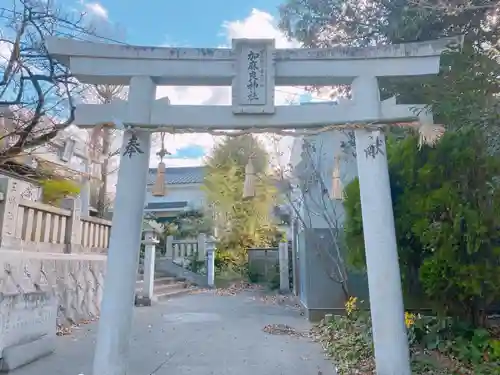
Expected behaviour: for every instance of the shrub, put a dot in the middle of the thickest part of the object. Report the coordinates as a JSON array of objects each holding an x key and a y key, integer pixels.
[
  {"x": 446, "y": 202},
  {"x": 55, "y": 190},
  {"x": 225, "y": 260},
  {"x": 437, "y": 346}
]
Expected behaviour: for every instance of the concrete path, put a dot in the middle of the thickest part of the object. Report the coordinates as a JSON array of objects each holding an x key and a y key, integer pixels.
[{"x": 200, "y": 334}]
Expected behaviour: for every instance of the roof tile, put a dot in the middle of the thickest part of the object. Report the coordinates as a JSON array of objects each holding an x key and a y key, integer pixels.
[{"x": 179, "y": 175}]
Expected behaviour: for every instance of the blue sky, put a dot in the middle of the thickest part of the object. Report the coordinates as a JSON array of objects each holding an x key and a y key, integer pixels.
[
  {"x": 194, "y": 23},
  {"x": 189, "y": 152}
]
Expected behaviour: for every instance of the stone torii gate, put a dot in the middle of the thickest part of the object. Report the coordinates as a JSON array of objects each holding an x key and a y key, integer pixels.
[{"x": 253, "y": 68}]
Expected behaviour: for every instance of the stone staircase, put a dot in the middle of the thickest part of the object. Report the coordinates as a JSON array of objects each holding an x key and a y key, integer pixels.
[
  {"x": 165, "y": 287},
  {"x": 168, "y": 267}
]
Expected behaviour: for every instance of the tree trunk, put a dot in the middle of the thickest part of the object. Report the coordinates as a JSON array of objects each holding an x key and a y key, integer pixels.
[{"x": 101, "y": 200}]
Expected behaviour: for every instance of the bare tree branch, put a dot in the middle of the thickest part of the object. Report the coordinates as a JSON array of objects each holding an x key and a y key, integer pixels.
[
  {"x": 101, "y": 139},
  {"x": 306, "y": 193},
  {"x": 37, "y": 92}
]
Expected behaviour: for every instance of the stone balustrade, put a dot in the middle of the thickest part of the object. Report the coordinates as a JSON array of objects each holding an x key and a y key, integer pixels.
[
  {"x": 95, "y": 233},
  {"x": 183, "y": 251},
  {"x": 39, "y": 227},
  {"x": 29, "y": 225}
]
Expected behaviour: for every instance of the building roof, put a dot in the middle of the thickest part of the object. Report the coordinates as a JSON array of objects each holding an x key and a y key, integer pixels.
[{"x": 180, "y": 175}]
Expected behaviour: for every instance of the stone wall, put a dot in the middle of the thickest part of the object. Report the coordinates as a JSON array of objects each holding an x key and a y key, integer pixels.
[
  {"x": 319, "y": 291},
  {"x": 52, "y": 265},
  {"x": 53, "y": 249},
  {"x": 27, "y": 328},
  {"x": 76, "y": 280}
]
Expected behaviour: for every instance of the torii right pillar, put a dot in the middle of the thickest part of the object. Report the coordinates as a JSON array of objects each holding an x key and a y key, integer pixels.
[{"x": 384, "y": 279}]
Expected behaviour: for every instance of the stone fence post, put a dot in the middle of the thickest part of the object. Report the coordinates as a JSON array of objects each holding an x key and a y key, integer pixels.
[
  {"x": 147, "y": 295},
  {"x": 169, "y": 248},
  {"x": 9, "y": 208},
  {"x": 210, "y": 248},
  {"x": 284, "y": 267},
  {"x": 202, "y": 246},
  {"x": 73, "y": 235}
]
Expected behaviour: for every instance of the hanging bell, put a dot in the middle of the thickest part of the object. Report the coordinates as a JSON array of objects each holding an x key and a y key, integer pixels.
[
  {"x": 159, "y": 189},
  {"x": 250, "y": 180}
]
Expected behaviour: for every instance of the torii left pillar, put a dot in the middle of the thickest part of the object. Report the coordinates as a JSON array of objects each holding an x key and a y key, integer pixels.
[{"x": 112, "y": 347}]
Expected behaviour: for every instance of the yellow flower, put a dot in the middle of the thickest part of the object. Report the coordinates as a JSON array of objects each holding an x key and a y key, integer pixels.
[
  {"x": 409, "y": 319},
  {"x": 350, "y": 305}
]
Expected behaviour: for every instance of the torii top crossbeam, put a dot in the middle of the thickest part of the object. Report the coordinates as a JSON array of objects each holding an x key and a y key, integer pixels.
[
  {"x": 253, "y": 67},
  {"x": 103, "y": 63}
]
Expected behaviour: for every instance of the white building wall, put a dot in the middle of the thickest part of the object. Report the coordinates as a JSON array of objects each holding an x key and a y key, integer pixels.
[
  {"x": 326, "y": 146},
  {"x": 72, "y": 156}
]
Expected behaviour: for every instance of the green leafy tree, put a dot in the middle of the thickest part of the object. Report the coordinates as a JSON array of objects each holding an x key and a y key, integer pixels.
[
  {"x": 241, "y": 223},
  {"x": 463, "y": 95},
  {"x": 54, "y": 190},
  {"x": 325, "y": 23},
  {"x": 446, "y": 202},
  {"x": 192, "y": 223}
]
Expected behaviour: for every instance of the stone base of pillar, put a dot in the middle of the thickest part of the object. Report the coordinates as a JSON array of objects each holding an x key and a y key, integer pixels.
[{"x": 142, "y": 301}]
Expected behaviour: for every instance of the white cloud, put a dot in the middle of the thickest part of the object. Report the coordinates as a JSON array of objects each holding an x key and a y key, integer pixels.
[
  {"x": 5, "y": 50},
  {"x": 183, "y": 162},
  {"x": 5, "y": 47},
  {"x": 257, "y": 25},
  {"x": 96, "y": 9}
]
